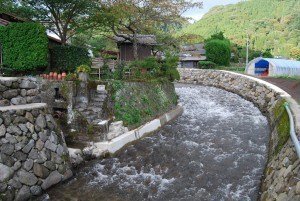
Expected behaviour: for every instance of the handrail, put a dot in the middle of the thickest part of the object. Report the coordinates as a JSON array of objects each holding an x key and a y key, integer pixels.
[{"x": 292, "y": 130}]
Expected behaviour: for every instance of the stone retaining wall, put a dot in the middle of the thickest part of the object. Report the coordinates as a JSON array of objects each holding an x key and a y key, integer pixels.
[
  {"x": 15, "y": 91},
  {"x": 281, "y": 180},
  {"x": 33, "y": 153}
]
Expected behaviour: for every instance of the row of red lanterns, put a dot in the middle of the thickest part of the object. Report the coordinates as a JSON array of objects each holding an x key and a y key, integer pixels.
[{"x": 54, "y": 76}]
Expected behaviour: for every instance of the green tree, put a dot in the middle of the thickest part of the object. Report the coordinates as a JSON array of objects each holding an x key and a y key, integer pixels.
[
  {"x": 169, "y": 67},
  {"x": 218, "y": 51},
  {"x": 128, "y": 18},
  {"x": 267, "y": 54},
  {"x": 64, "y": 18},
  {"x": 295, "y": 53}
]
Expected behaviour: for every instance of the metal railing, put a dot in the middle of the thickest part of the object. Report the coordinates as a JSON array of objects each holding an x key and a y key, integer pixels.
[{"x": 292, "y": 130}]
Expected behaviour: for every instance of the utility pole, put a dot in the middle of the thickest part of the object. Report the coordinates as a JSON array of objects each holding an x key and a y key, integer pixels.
[{"x": 247, "y": 50}]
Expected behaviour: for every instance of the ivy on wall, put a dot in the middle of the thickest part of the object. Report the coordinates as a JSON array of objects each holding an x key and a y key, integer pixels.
[
  {"x": 24, "y": 46},
  {"x": 67, "y": 58}
]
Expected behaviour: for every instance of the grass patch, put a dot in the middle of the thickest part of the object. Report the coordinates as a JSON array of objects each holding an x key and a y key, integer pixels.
[
  {"x": 294, "y": 77},
  {"x": 234, "y": 67}
]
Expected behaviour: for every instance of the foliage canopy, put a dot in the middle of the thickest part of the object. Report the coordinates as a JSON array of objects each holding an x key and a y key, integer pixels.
[{"x": 25, "y": 46}]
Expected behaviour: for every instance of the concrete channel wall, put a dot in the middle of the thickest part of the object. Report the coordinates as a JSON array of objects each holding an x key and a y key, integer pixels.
[
  {"x": 281, "y": 179},
  {"x": 33, "y": 152}
]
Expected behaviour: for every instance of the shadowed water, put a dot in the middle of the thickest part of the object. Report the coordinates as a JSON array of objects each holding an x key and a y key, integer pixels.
[{"x": 215, "y": 151}]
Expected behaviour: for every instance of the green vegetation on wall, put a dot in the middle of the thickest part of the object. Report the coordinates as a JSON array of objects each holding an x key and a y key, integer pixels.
[
  {"x": 25, "y": 46},
  {"x": 67, "y": 58},
  {"x": 269, "y": 23},
  {"x": 282, "y": 124},
  {"x": 136, "y": 103}
]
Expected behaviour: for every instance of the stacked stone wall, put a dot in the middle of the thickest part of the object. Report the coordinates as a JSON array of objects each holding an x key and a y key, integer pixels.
[
  {"x": 15, "y": 91},
  {"x": 281, "y": 180},
  {"x": 33, "y": 152}
]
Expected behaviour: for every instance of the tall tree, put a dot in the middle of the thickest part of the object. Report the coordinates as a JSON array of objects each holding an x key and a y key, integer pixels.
[
  {"x": 128, "y": 18},
  {"x": 64, "y": 18}
]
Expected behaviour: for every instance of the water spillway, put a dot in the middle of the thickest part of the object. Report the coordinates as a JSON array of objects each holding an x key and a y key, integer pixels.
[{"x": 216, "y": 150}]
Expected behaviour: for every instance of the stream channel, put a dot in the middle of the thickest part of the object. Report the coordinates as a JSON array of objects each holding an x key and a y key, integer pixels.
[{"x": 215, "y": 151}]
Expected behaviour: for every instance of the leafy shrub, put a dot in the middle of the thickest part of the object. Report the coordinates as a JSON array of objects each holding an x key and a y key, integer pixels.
[
  {"x": 169, "y": 67},
  {"x": 206, "y": 65},
  {"x": 218, "y": 51},
  {"x": 67, "y": 58},
  {"x": 71, "y": 77},
  {"x": 25, "y": 46},
  {"x": 83, "y": 69}
]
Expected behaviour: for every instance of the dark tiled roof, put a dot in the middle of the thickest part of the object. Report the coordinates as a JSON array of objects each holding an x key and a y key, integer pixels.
[{"x": 142, "y": 39}]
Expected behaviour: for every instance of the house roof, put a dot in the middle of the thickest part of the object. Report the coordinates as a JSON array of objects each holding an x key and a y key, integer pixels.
[
  {"x": 4, "y": 22},
  {"x": 193, "y": 49},
  {"x": 141, "y": 39},
  {"x": 12, "y": 18},
  {"x": 6, "y": 18},
  {"x": 56, "y": 40},
  {"x": 192, "y": 58}
]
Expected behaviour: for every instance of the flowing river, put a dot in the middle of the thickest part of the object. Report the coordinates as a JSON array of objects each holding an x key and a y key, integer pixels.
[{"x": 215, "y": 151}]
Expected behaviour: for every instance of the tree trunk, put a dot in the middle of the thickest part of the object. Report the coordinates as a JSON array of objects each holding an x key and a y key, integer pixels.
[{"x": 135, "y": 47}]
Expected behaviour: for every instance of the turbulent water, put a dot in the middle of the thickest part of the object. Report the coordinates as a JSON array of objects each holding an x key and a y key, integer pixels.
[{"x": 215, "y": 151}]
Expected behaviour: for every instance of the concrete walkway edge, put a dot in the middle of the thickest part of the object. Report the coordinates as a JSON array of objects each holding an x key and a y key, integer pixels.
[{"x": 119, "y": 142}]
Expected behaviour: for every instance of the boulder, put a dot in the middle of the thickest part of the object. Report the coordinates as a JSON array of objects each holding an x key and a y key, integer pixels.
[
  {"x": 4, "y": 102},
  {"x": 40, "y": 121},
  {"x": 54, "y": 178},
  {"x": 7, "y": 149},
  {"x": 18, "y": 101},
  {"x": 2, "y": 130},
  {"x": 28, "y": 164},
  {"x": 28, "y": 147},
  {"x": 23, "y": 194},
  {"x": 29, "y": 117},
  {"x": 27, "y": 178},
  {"x": 40, "y": 170},
  {"x": 30, "y": 127},
  {"x": 35, "y": 190},
  {"x": 27, "y": 84},
  {"x": 9, "y": 94},
  {"x": 5, "y": 173},
  {"x": 14, "y": 130}
]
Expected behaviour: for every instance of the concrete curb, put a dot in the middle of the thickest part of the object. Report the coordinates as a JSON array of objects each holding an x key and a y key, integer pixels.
[
  {"x": 23, "y": 107},
  {"x": 119, "y": 142}
]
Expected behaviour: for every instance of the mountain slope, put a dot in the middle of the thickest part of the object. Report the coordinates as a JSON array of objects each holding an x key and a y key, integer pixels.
[{"x": 273, "y": 24}]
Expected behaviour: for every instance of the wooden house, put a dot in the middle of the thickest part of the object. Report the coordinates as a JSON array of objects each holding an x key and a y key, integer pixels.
[
  {"x": 146, "y": 43},
  {"x": 190, "y": 55}
]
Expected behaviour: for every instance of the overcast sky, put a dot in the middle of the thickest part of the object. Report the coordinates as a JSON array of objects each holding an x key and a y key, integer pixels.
[{"x": 207, "y": 4}]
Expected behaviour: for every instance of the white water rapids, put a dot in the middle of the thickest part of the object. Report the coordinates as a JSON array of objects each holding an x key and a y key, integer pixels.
[{"x": 215, "y": 151}]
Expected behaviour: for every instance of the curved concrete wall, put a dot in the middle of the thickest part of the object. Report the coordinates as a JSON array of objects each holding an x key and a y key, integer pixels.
[{"x": 282, "y": 174}]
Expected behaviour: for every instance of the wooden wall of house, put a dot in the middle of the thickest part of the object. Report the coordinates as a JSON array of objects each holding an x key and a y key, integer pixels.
[{"x": 126, "y": 52}]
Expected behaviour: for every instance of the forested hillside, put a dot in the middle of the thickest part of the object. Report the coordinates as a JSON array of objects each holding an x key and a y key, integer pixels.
[{"x": 273, "y": 24}]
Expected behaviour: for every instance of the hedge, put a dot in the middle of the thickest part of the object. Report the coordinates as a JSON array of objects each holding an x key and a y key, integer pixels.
[
  {"x": 218, "y": 51},
  {"x": 24, "y": 46},
  {"x": 206, "y": 65},
  {"x": 67, "y": 58}
]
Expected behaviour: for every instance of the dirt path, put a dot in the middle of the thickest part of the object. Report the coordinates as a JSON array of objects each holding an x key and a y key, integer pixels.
[{"x": 290, "y": 86}]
